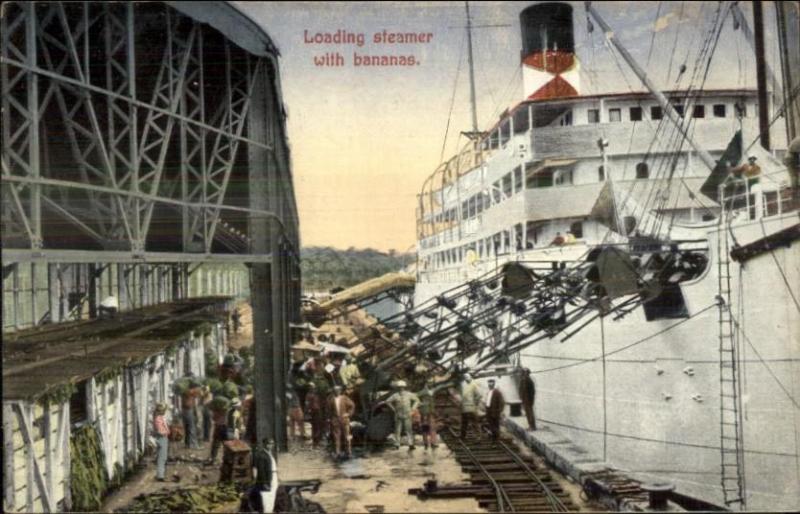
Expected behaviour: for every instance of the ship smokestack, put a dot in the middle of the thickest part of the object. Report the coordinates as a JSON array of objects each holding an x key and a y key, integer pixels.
[{"x": 549, "y": 64}]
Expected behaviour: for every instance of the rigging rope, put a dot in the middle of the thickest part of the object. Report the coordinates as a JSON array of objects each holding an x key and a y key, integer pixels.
[
  {"x": 640, "y": 341},
  {"x": 453, "y": 97},
  {"x": 761, "y": 359}
]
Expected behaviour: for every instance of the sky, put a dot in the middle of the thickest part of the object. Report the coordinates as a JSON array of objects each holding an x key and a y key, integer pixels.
[{"x": 364, "y": 139}]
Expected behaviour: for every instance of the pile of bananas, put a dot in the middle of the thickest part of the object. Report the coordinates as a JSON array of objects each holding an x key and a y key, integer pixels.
[{"x": 186, "y": 499}]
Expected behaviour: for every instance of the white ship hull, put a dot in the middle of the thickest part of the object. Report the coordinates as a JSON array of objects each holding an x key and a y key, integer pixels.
[{"x": 661, "y": 409}]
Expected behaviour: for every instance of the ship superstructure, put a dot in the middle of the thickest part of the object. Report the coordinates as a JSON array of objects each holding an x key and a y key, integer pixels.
[{"x": 698, "y": 386}]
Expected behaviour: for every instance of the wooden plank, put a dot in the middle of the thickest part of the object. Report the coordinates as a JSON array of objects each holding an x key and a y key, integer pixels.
[
  {"x": 61, "y": 446},
  {"x": 66, "y": 455},
  {"x": 8, "y": 458},
  {"x": 49, "y": 465},
  {"x": 26, "y": 427}
]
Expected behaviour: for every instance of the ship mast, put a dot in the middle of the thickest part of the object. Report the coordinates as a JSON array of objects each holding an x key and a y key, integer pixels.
[
  {"x": 471, "y": 74},
  {"x": 761, "y": 75},
  {"x": 666, "y": 107}
]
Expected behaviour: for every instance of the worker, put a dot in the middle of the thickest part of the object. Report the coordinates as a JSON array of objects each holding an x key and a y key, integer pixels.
[
  {"x": 161, "y": 430},
  {"x": 558, "y": 240},
  {"x": 750, "y": 171},
  {"x": 220, "y": 434},
  {"x": 341, "y": 408},
  {"x": 188, "y": 406},
  {"x": 315, "y": 411},
  {"x": 470, "y": 400},
  {"x": 260, "y": 493},
  {"x": 236, "y": 317},
  {"x": 495, "y": 403},
  {"x": 108, "y": 308},
  {"x": 233, "y": 420},
  {"x": 205, "y": 400},
  {"x": 427, "y": 411},
  {"x": 527, "y": 393},
  {"x": 349, "y": 373},
  {"x": 404, "y": 403},
  {"x": 296, "y": 416}
]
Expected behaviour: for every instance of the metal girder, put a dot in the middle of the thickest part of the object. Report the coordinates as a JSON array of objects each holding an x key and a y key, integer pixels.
[
  {"x": 158, "y": 126},
  {"x": 20, "y": 105},
  {"x": 122, "y": 257}
]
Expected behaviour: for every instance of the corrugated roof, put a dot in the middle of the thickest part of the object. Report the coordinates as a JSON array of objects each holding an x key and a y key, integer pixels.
[
  {"x": 39, "y": 359},
  {"x": 232, "y": 22}
]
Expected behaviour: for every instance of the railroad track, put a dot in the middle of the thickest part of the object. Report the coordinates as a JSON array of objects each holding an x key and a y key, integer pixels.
[{"x": 501, "y": 478}]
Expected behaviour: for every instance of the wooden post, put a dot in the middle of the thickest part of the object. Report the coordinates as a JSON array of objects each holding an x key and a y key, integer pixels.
[
  {"x": 25, "y": 413},
  {"x": 9, "y": 496}
]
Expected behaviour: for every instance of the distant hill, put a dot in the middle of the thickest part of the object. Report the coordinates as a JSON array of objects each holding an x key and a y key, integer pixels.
[{"x": 324, "y": 267}]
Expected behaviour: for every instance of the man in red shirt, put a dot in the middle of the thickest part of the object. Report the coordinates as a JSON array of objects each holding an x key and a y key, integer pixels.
[{"x": 161, "y": 430}]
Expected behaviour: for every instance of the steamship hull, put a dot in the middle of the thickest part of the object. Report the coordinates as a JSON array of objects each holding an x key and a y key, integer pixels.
[{"x": 659, "y": 418}]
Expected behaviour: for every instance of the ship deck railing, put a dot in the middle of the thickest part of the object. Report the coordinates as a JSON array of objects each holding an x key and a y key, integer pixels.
[{"x": 762, "y": 196}]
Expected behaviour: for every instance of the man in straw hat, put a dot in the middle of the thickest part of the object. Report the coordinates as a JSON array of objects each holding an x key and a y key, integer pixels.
[
  {"x": 161, "y": 430},
  {"x": 404, "y": 403},
  {"x": 341, "y": 409}
]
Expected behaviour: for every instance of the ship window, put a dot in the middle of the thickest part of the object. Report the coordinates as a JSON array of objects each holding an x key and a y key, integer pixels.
[
  {"x": 566, "y": 120},
  {"x": 465, "y": 209},
  {"x": 479, "y": 202},
  {"x": 642, "y": 170},
  {"x": 487, "y": 200},
  {"x": 496, "y": 192},
  {"x": 577, "y": 229},
  {"x": 505, "y": 133},
  {"x": 472, "y": 207},
  {"x": 507, "y": 185},
  {"x": 506, "y": 240},
  {"x": 542, "y": 178},
  {"x": 601, "y": 173},
  {"x": 741, "y": 112},
  {"x": 656, "y": 113},
  {"x": 563, "y": 177},
  {"x": 521, "y": 122},
  {"x": 494, "y": 139},
  {"x": 518, "y": 235},
  {"x": 614, "y": 115},
  {"x": 679, "y": 109},
  {"x": 667, "y": 305},
  {"x": 531, "y": 234},
  {"x": 594, "y": 115},
  {"x": 719, "y": 110},
  {"x": 636, "y": 113},
  {"x": 496, "y": 243},
  {"x": 699, "y": 111},
  {"x": 518, "y": 179}
]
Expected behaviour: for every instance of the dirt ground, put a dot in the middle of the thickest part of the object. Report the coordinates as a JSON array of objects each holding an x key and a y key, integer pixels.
[
  {"x": 183, "y": 464},
  {"x": 370, "y": 482},
  {"x": 381, "y": 479}
]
